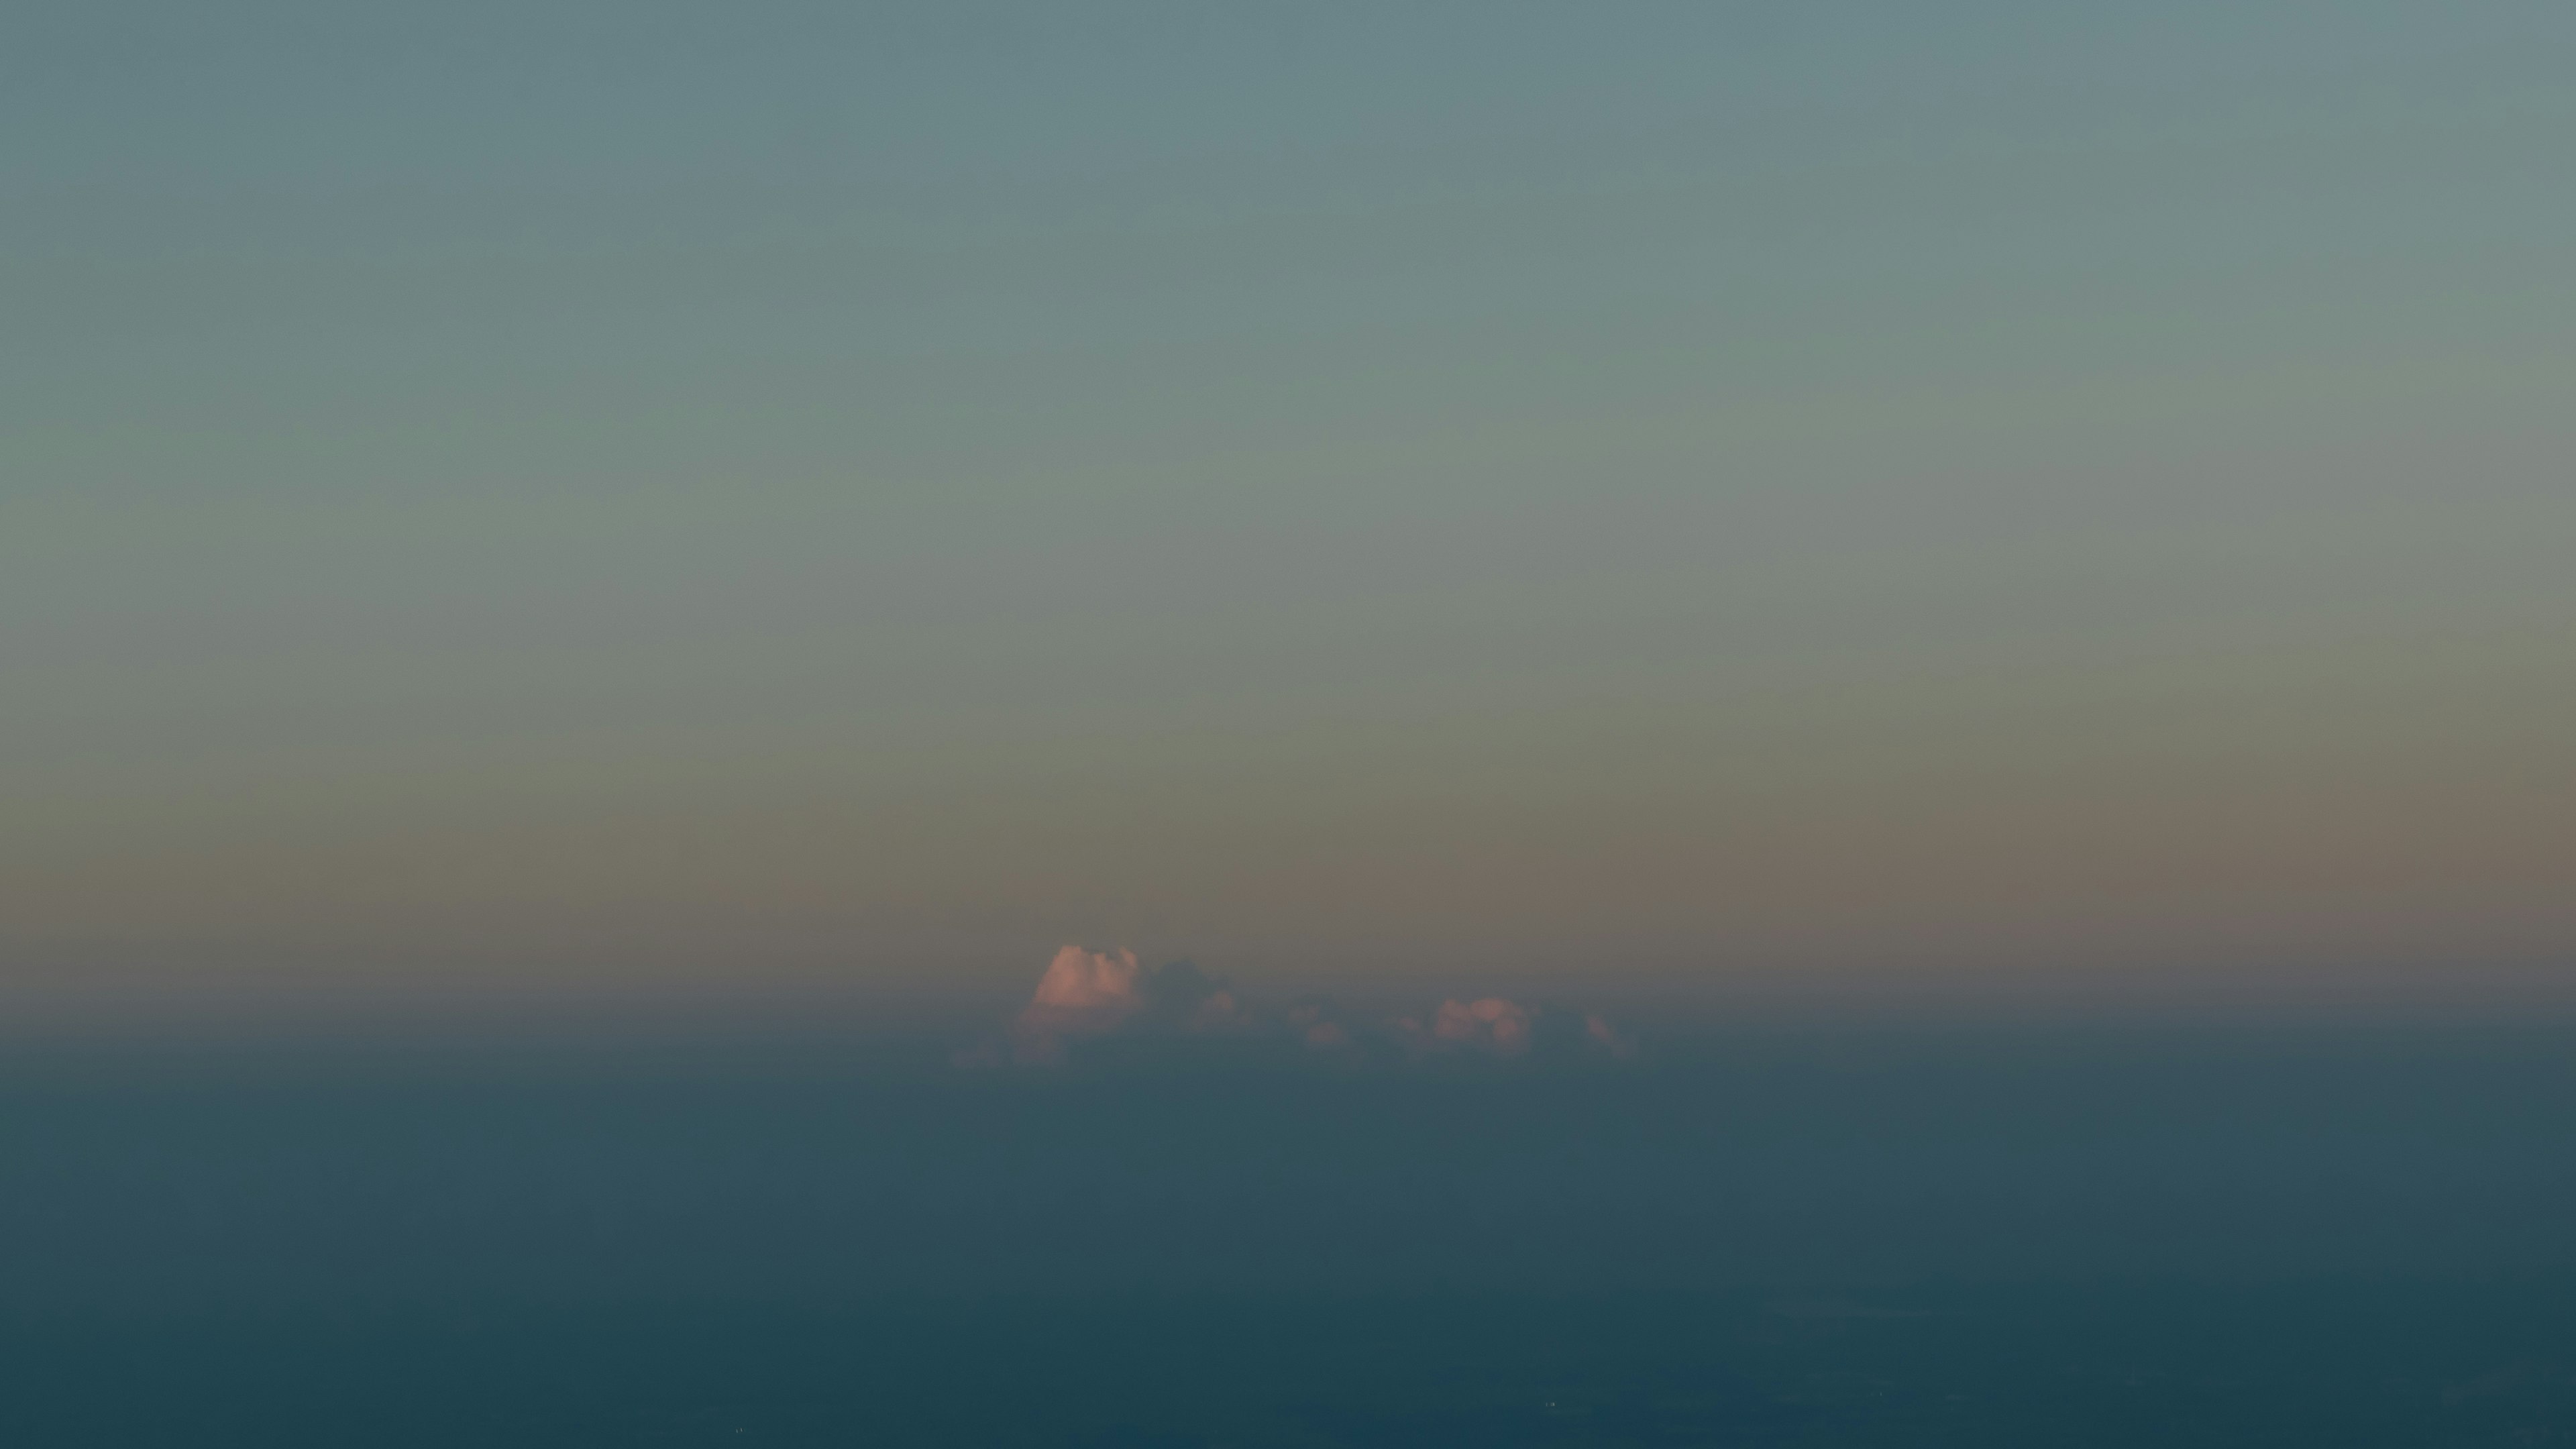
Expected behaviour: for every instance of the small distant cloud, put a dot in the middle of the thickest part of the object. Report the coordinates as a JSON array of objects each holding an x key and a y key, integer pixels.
[
  {"x": 1181, "y": 997},
  {"x": 1318, "y": 1026},
  {"x": 1083, "y": 993},
  {"x": 1086, "y": 995},
  {"x": 1491, "y": 1023},
  {"x": 1088, "y": 981},
  {"x": 1219, "y": 1011},
  {"x": 1602, "y": 1034}
]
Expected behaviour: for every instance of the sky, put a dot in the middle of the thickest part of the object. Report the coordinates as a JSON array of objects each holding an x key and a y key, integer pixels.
[{"x": 1844, "y": 503}]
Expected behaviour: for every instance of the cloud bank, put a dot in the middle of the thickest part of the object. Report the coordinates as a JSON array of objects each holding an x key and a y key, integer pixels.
[{"x": 1091, "y": 997}]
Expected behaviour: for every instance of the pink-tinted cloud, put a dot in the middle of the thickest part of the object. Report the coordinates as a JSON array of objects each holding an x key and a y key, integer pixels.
[
  {"x": 1089, "y": 994},
  {"x": 1080, "y": 980},
  {"x": 1490, "y": 1022},
  {"x": 1084, "y": 993}
]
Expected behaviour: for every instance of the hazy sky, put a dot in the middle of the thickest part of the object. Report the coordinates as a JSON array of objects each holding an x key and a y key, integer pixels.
[{"x": 1838, "y": 498}]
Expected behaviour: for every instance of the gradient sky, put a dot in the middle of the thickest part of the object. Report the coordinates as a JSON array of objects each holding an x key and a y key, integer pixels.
[{"x": 1854, "y": 499}]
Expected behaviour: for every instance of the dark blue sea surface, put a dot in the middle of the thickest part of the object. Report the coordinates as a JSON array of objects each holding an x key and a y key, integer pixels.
[{"x": 2034, "y": 1237}]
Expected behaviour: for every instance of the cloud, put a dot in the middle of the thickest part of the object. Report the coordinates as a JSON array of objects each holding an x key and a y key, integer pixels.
[
  {"x": 1181, "y": 997},
  {"x": 1088, "y": 996},
  {"x": 1088, "y": 981},
  {"x": 1319, "y": 1026},
  {"x": 1084, "y": 993},
  {"x": 1490, "y": 1023},
  {"x": 1603, "y": 1035}
]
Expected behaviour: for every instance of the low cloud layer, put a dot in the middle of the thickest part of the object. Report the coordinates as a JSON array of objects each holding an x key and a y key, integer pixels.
[{"x": 1088, "y": 996}]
